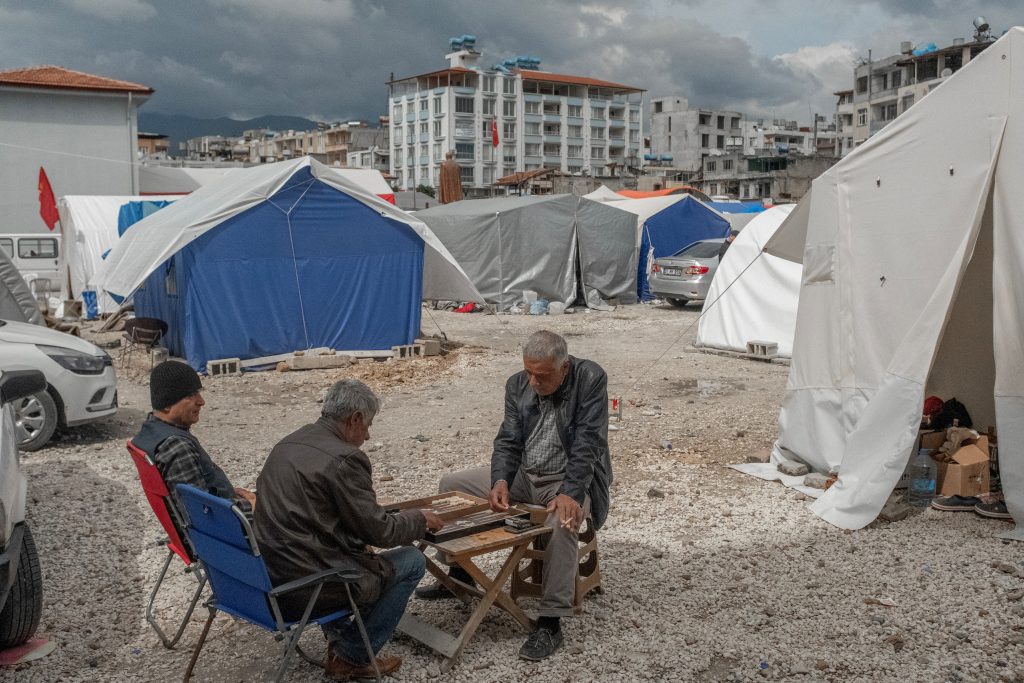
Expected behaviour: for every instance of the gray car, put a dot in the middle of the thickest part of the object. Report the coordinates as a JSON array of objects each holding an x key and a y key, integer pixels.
[{"x": 686, "y": 275}]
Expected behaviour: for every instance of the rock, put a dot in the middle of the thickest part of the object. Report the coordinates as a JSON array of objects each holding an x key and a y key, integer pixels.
[
  {"x": 792, "y": 468},
  {"x": 816, "y": 480},
  {"x": 420, "y": 438},
  {"x": 821, "y": 665},
  {"x": 657, "y": 554},
  {"x": 800, "y": 668},
  {"x": 690, "y": 640},
  {"x": 1015, "y": 595},
  {"x": 759, "y": 456},
  {"x": 740, "y": 433},
  {"x": 386, "y": 477},
  {"x": 1006, "y": 568},
  {"x": 894, "y": 511},
  {"x": 655, "y": 493}
]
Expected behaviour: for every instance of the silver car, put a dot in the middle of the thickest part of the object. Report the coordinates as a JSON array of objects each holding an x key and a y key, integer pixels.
[{"x": 686, "y": 275}]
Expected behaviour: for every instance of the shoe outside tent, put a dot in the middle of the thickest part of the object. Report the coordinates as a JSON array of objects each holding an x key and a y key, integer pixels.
[
  {"x": 89, "y": 224},
  {"x": 665, "y": 225},
  {"x": 548, "y": 244},
  {"x": 16, "y": 300},
  {"x": 281, "y": 257},
  {"x": 913, "y": 267},
  {"x": 754, "y": 295}
]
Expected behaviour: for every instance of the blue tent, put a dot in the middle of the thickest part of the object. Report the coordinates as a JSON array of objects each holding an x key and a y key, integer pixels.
[
  {"x": 670, "y": 224},
  {"x": 309, "y": 267},
  {"x": 737, "y": 207}
]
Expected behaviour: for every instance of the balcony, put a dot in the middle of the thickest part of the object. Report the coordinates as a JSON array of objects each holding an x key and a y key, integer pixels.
[
  {"x": 877, "y": 125},
  {"x": 553, "y": 160},
  {"x": 552, "y": 137}
]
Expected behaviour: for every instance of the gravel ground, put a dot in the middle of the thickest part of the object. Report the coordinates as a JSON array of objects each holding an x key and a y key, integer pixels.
[{"x": 708, "y": 575}]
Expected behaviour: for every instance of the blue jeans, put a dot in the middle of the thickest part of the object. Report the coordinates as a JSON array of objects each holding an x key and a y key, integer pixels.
[{"x": 382, "y": 618}]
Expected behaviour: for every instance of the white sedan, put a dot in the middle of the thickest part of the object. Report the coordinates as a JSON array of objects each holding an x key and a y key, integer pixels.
[{"x": 81, "y": 383}]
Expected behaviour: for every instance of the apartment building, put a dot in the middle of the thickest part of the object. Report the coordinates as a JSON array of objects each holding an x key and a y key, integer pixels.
[
  {"x": 884, "y": 89},
  {"x": 576, "y": 124},
  {"x": 776, "y": 177},
  {"x": 153, "y": 145},
  {"x": 684, "y": 136}
]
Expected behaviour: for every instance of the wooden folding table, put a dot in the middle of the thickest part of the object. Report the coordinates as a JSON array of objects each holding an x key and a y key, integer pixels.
[{"x": 490, "y": 592}]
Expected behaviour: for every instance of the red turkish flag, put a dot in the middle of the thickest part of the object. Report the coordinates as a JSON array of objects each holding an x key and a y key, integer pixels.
[
  {"x": 47, "y": 204},
  {"x": 494, "y": 132}
]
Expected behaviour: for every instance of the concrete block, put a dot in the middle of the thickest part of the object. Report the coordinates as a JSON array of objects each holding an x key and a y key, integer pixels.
[
  {"x": 764, "y": 349},
  {"x": 816, "y": 480},
  {"x": 224, "y": 366},
  {"x": 407, "y": 351},
  {"x": 431, "y": 347},
  {"x": 321, "y": 362},
  {"x": 793, "y": 469}
]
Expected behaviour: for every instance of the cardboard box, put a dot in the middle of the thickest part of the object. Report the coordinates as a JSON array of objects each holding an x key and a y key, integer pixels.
[{"x": 967, "y": 474}]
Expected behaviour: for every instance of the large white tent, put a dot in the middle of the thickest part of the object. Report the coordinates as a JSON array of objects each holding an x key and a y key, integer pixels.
[
  {"x": 913, "y": 255},
  {"x": 754, "y": 295},
  {"x": 89, "y": 226}
]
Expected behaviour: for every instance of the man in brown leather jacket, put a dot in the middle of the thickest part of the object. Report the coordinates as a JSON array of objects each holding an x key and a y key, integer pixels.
[{"x": 318, "y": 510}]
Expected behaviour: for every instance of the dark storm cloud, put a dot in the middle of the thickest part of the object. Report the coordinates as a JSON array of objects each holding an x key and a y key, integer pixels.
[{"x": 330, "y": 58}]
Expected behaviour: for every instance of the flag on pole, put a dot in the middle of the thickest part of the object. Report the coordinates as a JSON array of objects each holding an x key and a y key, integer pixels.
[
  {"x": 494, "y": 132},
  {"x": 47, "y": 204}
]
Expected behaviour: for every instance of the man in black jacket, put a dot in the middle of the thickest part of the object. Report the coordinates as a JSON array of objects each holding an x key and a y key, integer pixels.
[{"x": 551, "y": 450}]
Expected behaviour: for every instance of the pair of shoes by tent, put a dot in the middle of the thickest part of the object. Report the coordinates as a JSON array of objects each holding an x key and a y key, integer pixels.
[{"x": 990, "y": 505}]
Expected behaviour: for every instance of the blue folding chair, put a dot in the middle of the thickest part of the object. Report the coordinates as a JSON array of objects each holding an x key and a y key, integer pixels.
[{"x": 226, "y": 548}]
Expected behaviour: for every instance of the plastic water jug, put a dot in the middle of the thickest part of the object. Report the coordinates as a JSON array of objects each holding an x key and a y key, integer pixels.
[{"x": 922, "y": 479}]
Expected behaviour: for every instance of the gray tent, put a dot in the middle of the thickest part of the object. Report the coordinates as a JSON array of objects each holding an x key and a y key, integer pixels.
[
  {"x": 16, "y": 300},
  {"x": 550, "y": 244}
]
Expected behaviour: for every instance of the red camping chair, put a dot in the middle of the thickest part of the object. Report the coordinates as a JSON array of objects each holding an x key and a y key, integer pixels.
[{"x": 159, "y": 499}]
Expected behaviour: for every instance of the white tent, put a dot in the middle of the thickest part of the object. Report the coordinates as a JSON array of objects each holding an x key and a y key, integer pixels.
[
  {"x": 604, "y": 194},
  {"x": 154, "y": 240},
  {"x": 177, "y": 179},
  {"x": 913, "y": 254},
  {"x": 89, "y": 227},
  {"x": 753, "y": 296},
  {"x": 370, "y": 179}
]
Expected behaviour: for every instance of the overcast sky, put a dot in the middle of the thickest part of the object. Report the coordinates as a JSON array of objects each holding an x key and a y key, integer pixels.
[{"x": 329, "y": 59}]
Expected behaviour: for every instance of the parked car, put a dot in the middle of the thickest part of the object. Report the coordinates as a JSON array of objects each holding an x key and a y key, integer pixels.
[
  {"x": 686, "y": 275},
  {"x": 81, "y": 385},
  {"x": 21, "y": 581}
]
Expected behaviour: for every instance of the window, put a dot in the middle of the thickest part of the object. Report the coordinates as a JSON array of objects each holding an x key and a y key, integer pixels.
[
  {"x": 597, "y": 152},
  {"x": 398, "y": 156},
  {"x": 575, "y": 150},
  {"x": 533, "y": 107},
  {"x": 488, "y": 84},
  {"x": 510, "y": 86},
  {"x": 720, "y": 141},
  {"x": 425, "y": 128},
  {"x": 424, "y": 104},
  {"x": 704, "y": 139},
  {"x": 705, "y": 119},
  {"x": 508, "y": 108},
  {"x": 575, "y": 110},
  {"x": 597, "y": 133},
  {"x": 896, "y": 79},
  {"x": 862, "y": 117},
  {"x": 753, "y": 141},
  {"x": 438, "y": 155},
  {"x": 464, "y": 150},
  {"x": 509, "y": 130},
  {"x": 509, "y": 154},
  {"x": 711, "y": 165},
  {"x": 575, "y": 131},
  {"x": 532, "y": 128},
  {"x": 45, "y": 247},
  {"x": 508, "y": 170},
  {"x": 488, "y": 107},
  {"x": 467, "y": 175},
  {"x": 437, "y": 129},
  {"x": 464, "y": 129},
  {"x": 726, "y": 164},
  {"x": 533, "y": 149},
  {"x": 7, "y": 245},
  {"x": 657, "y": 107},
  {"x": 634, "y": 136},
  {"x": 862, "y": 84},
  {"x": 437, "y": 105},
  {"x": 463, "y": 105},
  {"x": 735, "y": 122},
  {"x": 396, "y": 113},
  {"x": 669, "y": 123},
  {"x": 488, "y": 176}
]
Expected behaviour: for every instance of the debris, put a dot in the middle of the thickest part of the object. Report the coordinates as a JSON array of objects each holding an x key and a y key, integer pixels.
[
  {"x": 894, "y": 510},
  {"x": 897, "y": 642},
  {"x": 759, "y": 456},
  {"x": 816, "y": 480},
  {"x": 655, "y": 493},
  {"x": 884, "y": 602},
  {"x": 793, "y": 469}
]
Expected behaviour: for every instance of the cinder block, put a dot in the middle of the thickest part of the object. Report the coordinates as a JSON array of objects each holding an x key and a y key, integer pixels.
[
  {"x": 407, "y": 351},
  {"x": 321, "y": 362},
  {"x": 431, "y": 347},
  {"x": 224, "y": 366},
  {"x": 765, "y": 349}
]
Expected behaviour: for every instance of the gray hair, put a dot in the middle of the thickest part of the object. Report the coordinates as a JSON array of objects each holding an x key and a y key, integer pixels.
[
  {"x": 349, "y": 396},
  {"x": 545, "y": 345}
]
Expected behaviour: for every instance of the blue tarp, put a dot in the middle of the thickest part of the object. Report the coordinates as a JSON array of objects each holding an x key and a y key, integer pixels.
[
  {"x": 736, "y": 207},
  {"x": 309, "y": 267},
  {"x": 131, "y": 213},
  {"x": 672, "y": 229}
]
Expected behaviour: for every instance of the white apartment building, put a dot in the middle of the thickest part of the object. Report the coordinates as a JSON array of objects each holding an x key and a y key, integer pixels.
[
  {"x": 575, "y": 124},
  {"x": 681, "y": 137}
]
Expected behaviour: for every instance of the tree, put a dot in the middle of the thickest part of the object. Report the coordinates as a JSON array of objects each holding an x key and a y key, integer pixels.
[{"x": 427, "y": 190}]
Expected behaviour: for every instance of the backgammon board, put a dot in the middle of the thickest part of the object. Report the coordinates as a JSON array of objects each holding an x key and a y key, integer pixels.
[{"x": 462, "y": 513}]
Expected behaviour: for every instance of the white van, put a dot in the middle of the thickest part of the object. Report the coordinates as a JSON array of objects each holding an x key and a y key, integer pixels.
[{"x": 38, "y": 258}]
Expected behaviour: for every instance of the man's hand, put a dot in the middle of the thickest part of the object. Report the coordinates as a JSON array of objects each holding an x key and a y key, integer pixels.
[
  {"x": 499, "y": 496},
  {"x": 247, "y": 495},
  {"x": 434, "y": 523},
  {"x": 570, "y": 513}
]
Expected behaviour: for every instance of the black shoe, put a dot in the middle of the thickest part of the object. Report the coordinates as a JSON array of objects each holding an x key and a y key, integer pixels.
[
  {"x": 541, "y": 644},
  {"x": 438, "y": 591}
]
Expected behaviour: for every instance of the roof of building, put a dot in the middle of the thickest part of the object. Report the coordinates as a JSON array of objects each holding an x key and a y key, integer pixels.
[
  {"x": 549, "y": 77},
  {"x": 522, "y": 176},
  {"x": 59, "y": 78},
  {"x": 439, "y": 72},
  {"x": 843, "y": 92}
]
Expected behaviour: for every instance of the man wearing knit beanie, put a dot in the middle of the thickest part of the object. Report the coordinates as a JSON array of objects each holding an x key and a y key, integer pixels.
[{"x": 175, "y": 393}]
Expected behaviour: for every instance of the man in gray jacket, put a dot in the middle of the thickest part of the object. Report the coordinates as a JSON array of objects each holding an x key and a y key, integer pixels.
[
  {"x": 318, "y": 510},
  {"x": 551, "y": 450}
]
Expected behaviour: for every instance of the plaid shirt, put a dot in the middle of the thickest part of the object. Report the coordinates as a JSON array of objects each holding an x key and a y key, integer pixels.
[
  {"x": 544, "y": 453},
  {"x": 179, "y": 463}
]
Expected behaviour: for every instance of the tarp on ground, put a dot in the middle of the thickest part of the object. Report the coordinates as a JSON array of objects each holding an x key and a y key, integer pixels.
[
  {"x": 16, "y": 300},
  {"x": 667, "y": 224},
  {"x": 90, "y": 228},
  {"x": 913, "y": 264},
  {"x": 280, "y": 257},
  {"x": 754, "y": 295}
]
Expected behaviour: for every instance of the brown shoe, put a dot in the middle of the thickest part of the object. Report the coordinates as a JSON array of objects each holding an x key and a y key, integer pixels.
[{"x": 340, "y": 669}]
